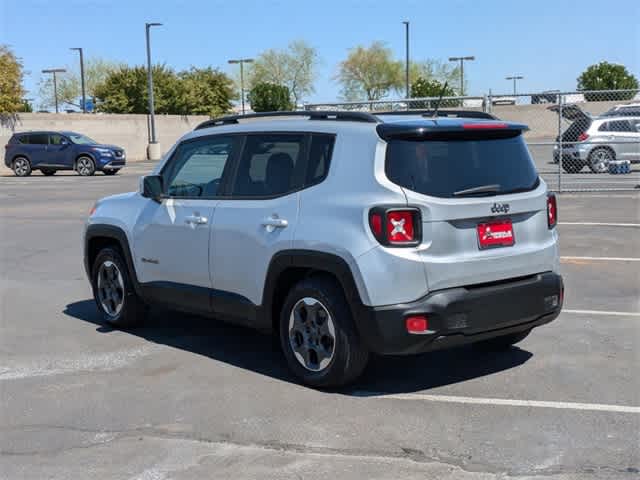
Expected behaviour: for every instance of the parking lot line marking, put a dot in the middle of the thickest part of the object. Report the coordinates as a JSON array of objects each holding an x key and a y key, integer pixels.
[
  {"x": 602, "y": 312},
  {"x": 604, "y": 259},
  {"x": 503, "y": 402},
  {"x": 600, "y": 224}
]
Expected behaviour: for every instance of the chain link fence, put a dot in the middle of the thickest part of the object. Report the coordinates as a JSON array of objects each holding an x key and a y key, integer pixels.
[{"x": 580, "y": 141}]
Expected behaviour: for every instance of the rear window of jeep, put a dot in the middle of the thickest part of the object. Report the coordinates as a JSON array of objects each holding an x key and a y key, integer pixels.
[{"x": 442, "y": 168}]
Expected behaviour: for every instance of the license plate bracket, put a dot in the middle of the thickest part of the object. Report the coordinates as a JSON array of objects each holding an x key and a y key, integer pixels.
[{"x": 495, "y": 234}]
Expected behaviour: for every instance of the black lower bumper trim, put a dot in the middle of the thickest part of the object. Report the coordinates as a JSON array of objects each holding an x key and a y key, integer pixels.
[{"x": 464, "y": 315}]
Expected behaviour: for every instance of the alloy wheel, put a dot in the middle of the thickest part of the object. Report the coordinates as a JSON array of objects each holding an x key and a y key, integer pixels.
[
  {"x": 85, "y": 166},
  {"x": 110, "y": 288},
  {"x": 312, "y": 334},
  {"x": 21, "y": 167}
]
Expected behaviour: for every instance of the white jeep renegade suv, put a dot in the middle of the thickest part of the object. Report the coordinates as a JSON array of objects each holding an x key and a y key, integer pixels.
[{"x": 344, "y": 232}]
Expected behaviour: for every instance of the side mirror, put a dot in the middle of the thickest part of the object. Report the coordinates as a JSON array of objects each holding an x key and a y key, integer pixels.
[
  {"x": 152, "y": 187},
  {"x": 64, "y": 142}
]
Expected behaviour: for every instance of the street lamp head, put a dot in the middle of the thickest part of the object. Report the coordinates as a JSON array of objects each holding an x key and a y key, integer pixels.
[
  {"x": 153, "y": 25},
  {"x": 240, "y": 60},
  {"x": 54, "y": 70},
  {"x": 79, "y": 49},
  {"x": 406, "y": 22}
]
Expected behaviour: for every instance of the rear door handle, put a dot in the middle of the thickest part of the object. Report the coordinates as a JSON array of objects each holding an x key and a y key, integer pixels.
[
  {"x": 196, "y": 220},
  {"x": 272, "y": 223}
]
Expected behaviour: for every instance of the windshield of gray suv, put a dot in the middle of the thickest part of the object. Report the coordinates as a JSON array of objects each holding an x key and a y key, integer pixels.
[
  {"x": 81, "y": 139},
  {"x": 451, "y": 168}
]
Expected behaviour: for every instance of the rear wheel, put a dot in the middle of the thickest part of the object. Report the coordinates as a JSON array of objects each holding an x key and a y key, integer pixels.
[
  {"x": 599, "y": 159},
  {"x": 113, "y": 291},
  {"x": 47, "y": 172},
  {"x": 85, "y": 166},
  {"x": 501, "y": 343},
  {"x": 318, "y": 336},
  {"x": 22, "y": 167}
]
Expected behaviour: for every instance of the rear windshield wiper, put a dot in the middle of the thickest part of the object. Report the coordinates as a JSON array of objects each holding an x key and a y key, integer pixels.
[{"x": 494, "y": 188}]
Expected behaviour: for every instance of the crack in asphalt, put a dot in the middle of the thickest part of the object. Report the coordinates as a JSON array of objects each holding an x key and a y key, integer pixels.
[{"x": 105, "y": 437}]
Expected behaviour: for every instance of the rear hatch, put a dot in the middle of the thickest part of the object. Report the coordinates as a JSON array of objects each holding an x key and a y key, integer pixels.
[
  {"x": 580, "y": 121},
  {"x": 483, "y": 206}
]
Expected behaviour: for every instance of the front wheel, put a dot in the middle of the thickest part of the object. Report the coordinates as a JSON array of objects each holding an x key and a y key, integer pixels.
[
  {"x": 600, "y": 158},
  {"x": 85, "y": 166},
  {"x": 318, "y": 336},
  {"x": 113, "y": 290}
]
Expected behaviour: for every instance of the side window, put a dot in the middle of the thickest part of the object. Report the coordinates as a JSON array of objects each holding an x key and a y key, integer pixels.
[
  {"x": 604, "y": 127},
  {"x": 620, "y": 126},
  {"x": 269, "y": 165},
  {"x": 319, "y": 158},
  {"x": 196, "y": 167},
  {"x": 38, "y": 139},
  {"x": 22, "y": 139},
  {"x": 55, "y": 139}
]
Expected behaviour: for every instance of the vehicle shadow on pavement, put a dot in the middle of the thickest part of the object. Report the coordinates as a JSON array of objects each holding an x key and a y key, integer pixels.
[{"x": 246, "y": 348}]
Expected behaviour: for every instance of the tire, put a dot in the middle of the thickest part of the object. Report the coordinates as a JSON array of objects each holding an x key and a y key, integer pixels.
[
  {"x": 316, "y": 319},
  {"x": 113, "y": 291},
  {"x": 572, "y": 166},
  {"x": 599, "y": 159},
  {"x": 85, "y": 166},
  {"x": 21, "y": 167},
  {"x": 46, "y": 172},
  {"x": 501, "y": 343},
  {"x": 110, "y": 172}
]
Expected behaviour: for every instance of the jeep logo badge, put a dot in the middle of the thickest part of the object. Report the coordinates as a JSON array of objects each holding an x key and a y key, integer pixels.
[{"x": 500, "y": 208}]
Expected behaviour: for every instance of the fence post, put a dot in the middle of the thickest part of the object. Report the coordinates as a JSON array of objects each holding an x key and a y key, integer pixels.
[
  {"x": 490, "y": 104},
  {"x": 560, "y": 142}
]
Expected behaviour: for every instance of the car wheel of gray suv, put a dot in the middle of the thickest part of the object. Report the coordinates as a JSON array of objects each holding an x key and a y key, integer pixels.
[
  {"x": 599, "y": 159},
  {"x": 85, "y": 166},
  {"x": 113, "y": 291},
  {"x": 318, "y": 336},
  {"x": 501, "y": 343},
  {"x": 22, "y": 167},
  {"x": 47, "y": 172}
]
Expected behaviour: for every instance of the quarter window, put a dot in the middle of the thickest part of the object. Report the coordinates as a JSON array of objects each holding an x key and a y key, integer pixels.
[
  {"x": 196, "y": 168},
  {"x": 319, "y": 158},
  {"x": 269, "y": 165}
]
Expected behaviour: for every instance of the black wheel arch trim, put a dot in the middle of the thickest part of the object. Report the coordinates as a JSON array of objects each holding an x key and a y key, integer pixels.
[
  {"x": 117, "y": 234},
  {"x": 316, "y": 261}
]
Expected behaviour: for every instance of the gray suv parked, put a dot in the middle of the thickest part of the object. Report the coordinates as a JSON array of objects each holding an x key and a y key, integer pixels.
[{"x": 343, "y": 232}]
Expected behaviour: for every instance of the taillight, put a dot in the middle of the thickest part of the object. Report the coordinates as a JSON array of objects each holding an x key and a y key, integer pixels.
[
  {"x": 396, "y": 227},
  {"x": 582, "y": 137},
  {"x": 417, "y": 324},
  {"x": 552, "y": 210}
]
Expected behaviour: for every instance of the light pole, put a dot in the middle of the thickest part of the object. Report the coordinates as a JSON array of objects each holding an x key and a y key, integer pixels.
[
  {"x": 514, "y": 78},
  {"x": 55, "y": 83},
  {"x": 84, "y": 97},
  {"x": 153, "y": 150},
  {"x": 406, "y": 72},
  {"x": 461, "y": 60},
  {"x": 241, "y": 61}
]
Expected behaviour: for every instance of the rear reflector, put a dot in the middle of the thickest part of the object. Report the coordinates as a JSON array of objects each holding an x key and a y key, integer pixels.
[
  {"x": 484, "y": 126},
  {"x": 552, "y": 210},
  {"x": 417, "y": 324},
  {"x": 582, "y": 137}
]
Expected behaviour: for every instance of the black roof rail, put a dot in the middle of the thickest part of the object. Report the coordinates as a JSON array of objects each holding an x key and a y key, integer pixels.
[
  {"x": 443, "y": 113},
  {"x": 312, "y": 115}
]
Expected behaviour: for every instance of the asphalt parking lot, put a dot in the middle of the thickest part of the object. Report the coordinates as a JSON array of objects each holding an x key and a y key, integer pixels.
[{"x": 187, "y": 398}]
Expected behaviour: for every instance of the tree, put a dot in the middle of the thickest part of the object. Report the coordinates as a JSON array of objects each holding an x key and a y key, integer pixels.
[
  {"x": 431, "y": 69},
  {"x": 422, "y": 87},
  {"x": 607, "y": 76},
  {"x": 205, "y": 91},
  {"x": 11, "y": 91},
  {"x": 370, "y": 73},
  {"x": 69, "y": 84},
  {"x": 295, "y": 68},
  {"x": 270, "y": 97},
  {"x": 125, "y": 91}
]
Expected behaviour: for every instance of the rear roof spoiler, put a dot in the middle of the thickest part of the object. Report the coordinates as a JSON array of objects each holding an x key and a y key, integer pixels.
[
  {"x": 472, "y": 130},
  {"x": 443, "y": 113}
]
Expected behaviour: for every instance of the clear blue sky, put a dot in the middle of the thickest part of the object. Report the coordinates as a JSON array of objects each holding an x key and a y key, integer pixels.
[{"x": 548, "y": 41}]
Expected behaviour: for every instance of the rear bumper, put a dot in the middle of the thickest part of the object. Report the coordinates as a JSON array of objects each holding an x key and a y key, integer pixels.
[{"x": 463, "y": 315}]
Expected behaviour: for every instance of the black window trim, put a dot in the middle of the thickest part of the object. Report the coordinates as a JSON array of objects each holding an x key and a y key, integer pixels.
[{"x": 228, "y": 167}]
